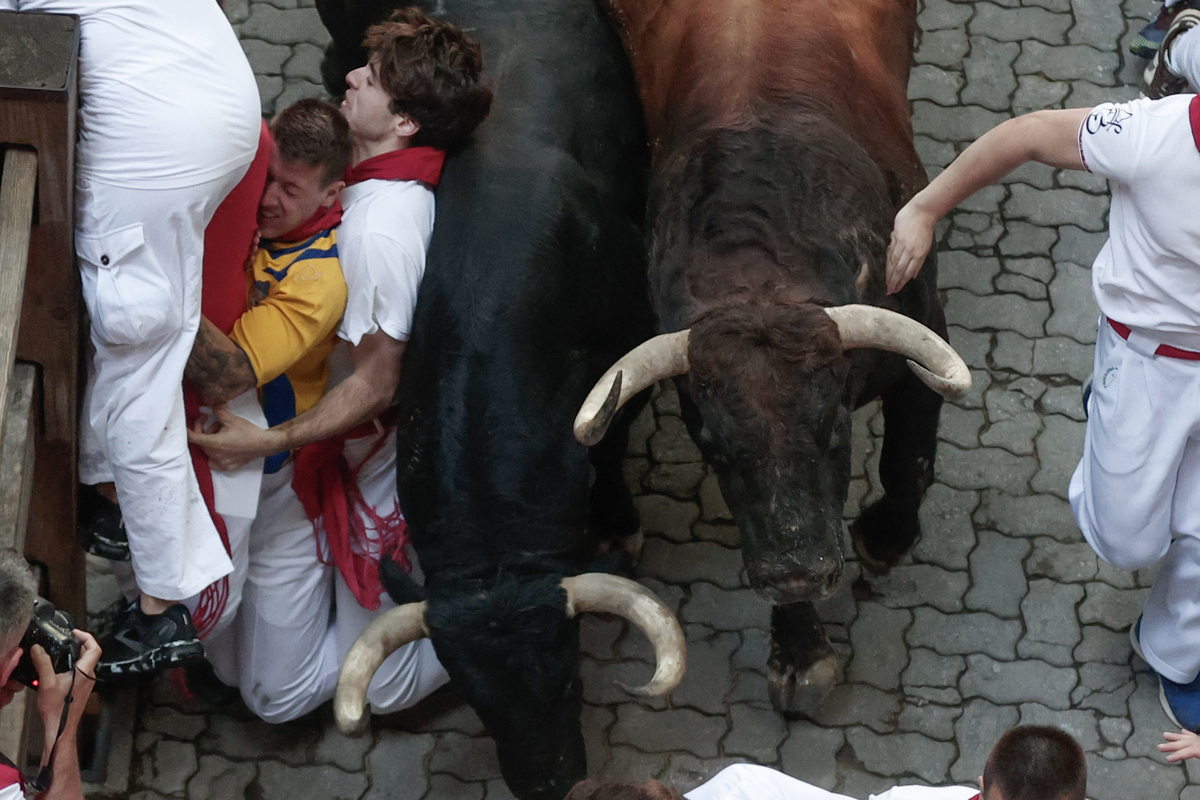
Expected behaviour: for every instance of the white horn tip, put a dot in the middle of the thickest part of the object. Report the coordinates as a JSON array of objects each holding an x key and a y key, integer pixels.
[
  {"x": 351, "y": 722},
  {"x": 952, "y": 388},
  {"x": 591, "y": 427}
]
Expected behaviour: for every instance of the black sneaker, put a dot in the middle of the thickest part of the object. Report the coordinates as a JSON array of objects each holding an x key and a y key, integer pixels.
[
  {"x": 147, "y": 643},
  {"x": 101, "y": 526}
]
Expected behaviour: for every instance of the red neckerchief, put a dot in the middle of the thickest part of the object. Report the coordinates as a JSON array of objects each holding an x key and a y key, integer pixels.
[
  {"x": 322, "y": 220},
  {"x": 422, "y": 164}
]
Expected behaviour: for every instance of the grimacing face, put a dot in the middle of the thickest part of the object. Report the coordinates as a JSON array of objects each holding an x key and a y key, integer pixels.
[{"x": 293, "y": 194}]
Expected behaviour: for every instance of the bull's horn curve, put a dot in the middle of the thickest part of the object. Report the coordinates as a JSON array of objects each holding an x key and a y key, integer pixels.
[
  {"x": 382, "y": 637},
  {"x": 611, "y": 594},
  {"x": 664, "y": 356},
  {"x": 930, "y": 357}
]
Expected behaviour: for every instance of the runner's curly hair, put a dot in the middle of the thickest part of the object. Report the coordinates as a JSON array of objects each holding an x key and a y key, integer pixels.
[{"x": 434, "y": 74}]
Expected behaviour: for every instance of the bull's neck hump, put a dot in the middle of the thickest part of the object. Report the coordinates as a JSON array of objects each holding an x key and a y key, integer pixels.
[{"x": 717, "y": 60}]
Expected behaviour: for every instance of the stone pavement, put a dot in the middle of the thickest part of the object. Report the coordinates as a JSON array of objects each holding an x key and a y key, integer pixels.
[{"x": 1002, "y": 614}]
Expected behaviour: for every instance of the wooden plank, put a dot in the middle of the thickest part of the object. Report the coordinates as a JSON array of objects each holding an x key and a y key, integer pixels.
[
  {"x": 17, "y": 186},
  {"x": 16, "y": 457}
]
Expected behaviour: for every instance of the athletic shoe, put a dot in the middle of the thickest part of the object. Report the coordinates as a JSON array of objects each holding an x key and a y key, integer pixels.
[
  {"x": 1161, "y": 82},
  {"x": 101, "y": 526},
  {"x": 1180, "y": 701},
  {"x": 146, "y": 643},
  {"x": 1087, "y": 395},
  {"x": 1150, "y": 38}
]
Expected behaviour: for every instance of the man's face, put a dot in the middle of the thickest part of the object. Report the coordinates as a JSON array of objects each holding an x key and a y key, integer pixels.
[
  {"x": 367, "y": 107},
  {"x": 292, "y": 195}
]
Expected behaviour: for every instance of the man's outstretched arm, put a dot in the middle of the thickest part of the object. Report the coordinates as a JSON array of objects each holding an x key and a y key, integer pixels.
[
  {"x": 1050, "y": 137},
  {"x": 360, "y": 398},
  {"x": 219, "y": 368}
]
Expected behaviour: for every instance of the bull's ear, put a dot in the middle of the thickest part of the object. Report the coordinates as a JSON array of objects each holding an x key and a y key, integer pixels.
[{"x": 837, "y": 278}]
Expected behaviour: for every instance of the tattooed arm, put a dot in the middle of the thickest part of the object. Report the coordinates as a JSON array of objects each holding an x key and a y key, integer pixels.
[{"x": 219, "y": 368}]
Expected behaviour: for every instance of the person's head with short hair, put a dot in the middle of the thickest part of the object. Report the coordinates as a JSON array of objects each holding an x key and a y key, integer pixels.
[
  {"x": 423, "y": 85},
  {"x": 312, "y": 149},
  {"x": 18, "y": 590},
  {"x": 1035, "y": 762},
  {"x": 592, "y": 789}
]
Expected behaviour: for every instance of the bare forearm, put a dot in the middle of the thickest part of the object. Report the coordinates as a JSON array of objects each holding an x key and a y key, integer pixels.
[
  {"x": 349, "y": 404},
  {"x": 67, "y": 784},
  {"x": 1048, "y": 137},
  {"x": 219, "y": 368}
]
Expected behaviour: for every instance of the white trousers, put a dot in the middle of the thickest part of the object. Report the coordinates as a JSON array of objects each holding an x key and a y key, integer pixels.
[
  {"x": 1134, "y": 490},
  {"x": 298, "y": 621},
  {"x": 1183, "y": 57},
  {"x": 140, "y": 254}
]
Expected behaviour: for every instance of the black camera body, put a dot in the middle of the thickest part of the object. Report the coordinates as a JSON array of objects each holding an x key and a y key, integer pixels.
[{"x": 50, "y": 628}]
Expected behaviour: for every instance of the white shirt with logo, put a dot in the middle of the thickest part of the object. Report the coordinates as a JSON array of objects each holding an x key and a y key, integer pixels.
[
  {"x": 166, "y": 97},
  {"x": 1147, "y": 276},
  {"x": 752, "y": 782}
]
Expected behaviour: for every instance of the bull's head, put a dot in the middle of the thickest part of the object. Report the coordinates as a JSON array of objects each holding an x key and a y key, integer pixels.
[
  {"x": 769, "y": 386},
  {"x": 515, "y": 646}
]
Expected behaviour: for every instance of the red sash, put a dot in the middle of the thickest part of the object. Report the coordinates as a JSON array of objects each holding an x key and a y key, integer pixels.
[
  {"x": 422, "y": 164},
  {"x": 1194, "y": 118},
  {"x": 322, "y": 220},
  {"x": 227, "y": 242}
]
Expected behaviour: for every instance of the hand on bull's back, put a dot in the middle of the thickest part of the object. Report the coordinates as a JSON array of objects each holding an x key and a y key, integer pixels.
[{"x": 912, "y": 237}]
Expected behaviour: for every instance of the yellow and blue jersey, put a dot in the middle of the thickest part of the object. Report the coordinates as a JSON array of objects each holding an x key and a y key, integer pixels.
[{"x": 296, "y": 297}]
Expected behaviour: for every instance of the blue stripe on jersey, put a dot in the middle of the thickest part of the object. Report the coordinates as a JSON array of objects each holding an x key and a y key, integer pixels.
[
  {"x": 283, "y": 251},
  {"x": 280, "y": 274},
  {"x": 279, "y": 405}
]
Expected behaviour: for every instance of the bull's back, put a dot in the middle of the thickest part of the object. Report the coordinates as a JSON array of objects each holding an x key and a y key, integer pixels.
[{"x": 729, "y": 63}]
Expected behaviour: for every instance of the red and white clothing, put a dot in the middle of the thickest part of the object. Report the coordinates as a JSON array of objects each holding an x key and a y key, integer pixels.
[
  {"x": 169, "y": 120},
  {"x": 11, "y": 785},
  {"x": 1133, "y": 493},
  {"x": 290, "y": 653},
  {"x": 752, "y": 782}
]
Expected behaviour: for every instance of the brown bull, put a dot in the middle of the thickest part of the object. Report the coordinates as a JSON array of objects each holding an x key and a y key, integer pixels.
[{"x": 782, "y": 149}]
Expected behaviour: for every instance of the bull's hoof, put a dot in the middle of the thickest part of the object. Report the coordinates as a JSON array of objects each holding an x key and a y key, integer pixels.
[
  {"x": 794, "y": 692},
  {"x": 883, "y": 534}
]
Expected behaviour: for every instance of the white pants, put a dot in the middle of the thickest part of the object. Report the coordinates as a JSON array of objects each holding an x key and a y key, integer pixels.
[
  {"x": 298, "y": 621},
  {"x": 140, "y": 254},
  {"x": 1183, "y": 57},
  {"x": 1134, "y": 491}
]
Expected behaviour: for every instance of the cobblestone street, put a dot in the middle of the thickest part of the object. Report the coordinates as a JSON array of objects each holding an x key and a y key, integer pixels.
[{"x": 1002, "y": 614}]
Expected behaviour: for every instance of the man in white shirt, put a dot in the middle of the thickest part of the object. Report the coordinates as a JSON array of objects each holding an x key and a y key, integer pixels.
[
  {"x": 1133, "y": 493},
  {"x": 402, "y": 121},
  {"x": 1029, "y": 762},
  {"x": 169, "y": 120}
]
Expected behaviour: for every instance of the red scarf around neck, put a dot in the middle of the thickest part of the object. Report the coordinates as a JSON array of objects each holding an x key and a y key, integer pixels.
[
  {"x": 422, "y": 164},
  {"x": 322, "y": 220}
]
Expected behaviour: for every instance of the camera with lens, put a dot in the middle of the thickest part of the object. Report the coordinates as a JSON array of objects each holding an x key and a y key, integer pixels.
[{"x": 51, "y": 628}]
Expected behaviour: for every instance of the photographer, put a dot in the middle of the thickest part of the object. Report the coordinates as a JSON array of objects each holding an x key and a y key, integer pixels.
[{"x": 17, "y": 593}]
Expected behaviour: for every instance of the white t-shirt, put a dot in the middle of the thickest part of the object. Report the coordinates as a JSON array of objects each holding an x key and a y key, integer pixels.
[
  {"x": 167, "y": 98},
  {"x": 382, "y": 243},
  {"x": 752, "y": 782},
  {"x": 1147, "y": 275}
]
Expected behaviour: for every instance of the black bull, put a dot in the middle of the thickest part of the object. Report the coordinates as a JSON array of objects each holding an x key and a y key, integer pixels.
[{"x": 535, "y": 282}]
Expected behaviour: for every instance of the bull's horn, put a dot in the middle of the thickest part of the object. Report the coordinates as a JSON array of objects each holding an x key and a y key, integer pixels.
[
  {"x": 932, "y": 359},
  {"x": 664, "y": 356},
  {"x": 610, "y": 594},
  {"x": 384, "y": 636}
]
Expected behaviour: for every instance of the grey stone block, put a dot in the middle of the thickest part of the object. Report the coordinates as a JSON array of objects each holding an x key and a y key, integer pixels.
[
  {"x": 1078, "y": 246},
  {"x": 1059, "y": 447},
  {"x": 1015, "y": 352},
  {"x": 281, "y": 782},
  {"x": 858, "y": 704},
  {"x": 672, "y": 443},
  {"x": 219, "y": 778},
  {"x": 447, "y": 787},
  {"x": 960, "y": 426},
  {"x": 1104, "y": 687},
  {"x": 677, "y": 480},
  {"x": 172, "y": 723},
  {"x": 1014, "y": 421},
  {"x": 673, "y": 729},
  {"x": 254, "y": 739},
  {"x": 928, "y": 82},
  {"x": 1008, "y": 682},
  {"x": 666, "y": 516},
  {"x": 169, "y": 766},
  {"x": 1008, "y": 312},
  {"x": 877, "y": 638},
  {"x": 1038, "y": 269},
  {"x": 810, "y": 753},
  {"x": 640, "y": 430},
  {"x": 712, "y": 503},
  {"x": 1080, "y": 724},
  {"x": 980, "y": 725},
  {"x": 998, "y": 581},
  {"x": 957, "y": 124},
  {"x": 1072, "y": 62},
  {"x": 1065, "y": 563},
  {"x": 927, "y": 668},
  {"x": 985, "y": 467},
  {"x": 465, "y": 757},
  {"x": 265, "y": 58},
  {"x": 961, "y": 270},
  {"x": 1120, "y": 780},
  {"x": 755, "y": 733},
  {"x": 1115, "y": 730},
  {"x": 1075, "y": 310},
  {"x": 342, "y": 751},
  {"x": 910, "y": 585},
  {"x": 726, "y": 610},
  {"x": 947, "y": 534},
  {"x": 630, "y": 765},
  {"x": 284, "y": 26},
  {"x": 936, "y": 722},
  {"x": 972, "y": 346},
  {"x": 945, "y": 48},
  {"x": 1046, "y": 207},
  {"x": 1065, "y": 400},
  {"x": 687, "y": 563},
  {"x": 937, "y": 15},
  {"x": 990, "y": 79},
  {"x": 598, "y": 636},
  {"x": 961, "y": 634},
  {"x": 1049, "y": 613},
  {"x": 685, "y": 772},
  {"x": 1018, "y": 24},
  {"x": 305, "y": 63},
  {"x": 1024, "y": 239},
  {"x": 1114, "y": 608},
  {"x": 1058, "y": 355},
  {"x": 709, "y": 677},
  {"x": 1027, "y": 516},
  {"x": 901, "y": 754},
  {"x": 1019, "y": 284},
  {"x": 1035, "y": 93}
]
